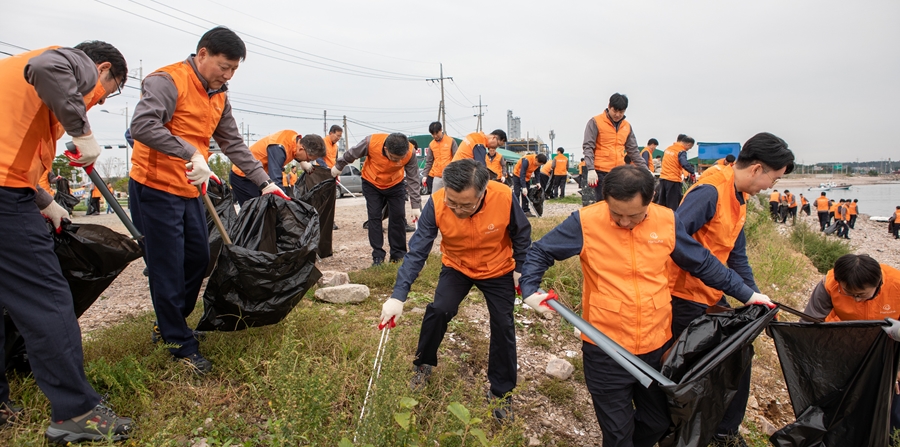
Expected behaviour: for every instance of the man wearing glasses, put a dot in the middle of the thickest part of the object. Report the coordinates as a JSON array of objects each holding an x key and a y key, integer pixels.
[
  {"x": 859, "y": 288},
  {"x": 485, "y": 237},
  {"x": 713, "y": 212},
  {"x": 275, "y": 152}
]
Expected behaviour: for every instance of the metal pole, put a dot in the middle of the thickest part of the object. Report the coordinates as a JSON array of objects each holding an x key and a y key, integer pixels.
[
  {"x": 325, "y": 122},
  {"x": 127, "y": 156},
  {"x": 346, "y": 140},
  {"x": 443, "y": 104}
]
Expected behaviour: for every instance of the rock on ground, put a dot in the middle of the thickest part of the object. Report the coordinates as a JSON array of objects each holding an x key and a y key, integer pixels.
[
  {"x": 331, "y": 279},
  {"x": 560, "y": 369},
  {"x": 347, "y": 293}
]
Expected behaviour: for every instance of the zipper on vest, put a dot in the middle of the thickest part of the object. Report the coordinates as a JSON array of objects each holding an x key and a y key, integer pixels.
[{"x": 637, "y": 294}]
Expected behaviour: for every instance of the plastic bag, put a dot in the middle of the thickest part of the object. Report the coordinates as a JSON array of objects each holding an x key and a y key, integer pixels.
[
  {"x": 536, "y": 196},
  {"x": 840, "y": 377},
  {"x": 222, "y": 199},
  {"x": 317, "y": 189},
  {"x": 270, "y": 266},
  {"x": 64, "y": 195}
]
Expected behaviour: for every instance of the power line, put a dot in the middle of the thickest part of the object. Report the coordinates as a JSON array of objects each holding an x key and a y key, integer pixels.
[
  {"x": 319, "y": 106},
  {"x": 14, "y": 46}
]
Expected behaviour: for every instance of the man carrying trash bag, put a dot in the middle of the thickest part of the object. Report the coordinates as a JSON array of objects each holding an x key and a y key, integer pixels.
[
  {"x": 485, "y": 236},
  {"x": 625, "y": 244},
  {"x": 274, "y": 152}
]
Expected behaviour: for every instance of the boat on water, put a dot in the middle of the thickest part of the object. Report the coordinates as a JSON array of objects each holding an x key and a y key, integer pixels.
[{"x": 831, "y": 186}]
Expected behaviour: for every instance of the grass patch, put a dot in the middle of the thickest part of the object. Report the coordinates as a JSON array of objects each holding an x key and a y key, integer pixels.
[
  {"x": 820, "y": 249},
  {"x": 574, "y": 199},
  {"x": 558, "y": 391}
]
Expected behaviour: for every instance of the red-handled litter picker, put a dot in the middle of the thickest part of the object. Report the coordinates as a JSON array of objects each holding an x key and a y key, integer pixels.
[
  {"x": 107, "y": 194},
  {"x": 376, "y": 369},
  {"x": 641, "y": 371}
]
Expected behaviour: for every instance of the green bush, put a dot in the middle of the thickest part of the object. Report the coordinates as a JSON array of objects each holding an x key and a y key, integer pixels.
[{"x": 821, "y": 250}]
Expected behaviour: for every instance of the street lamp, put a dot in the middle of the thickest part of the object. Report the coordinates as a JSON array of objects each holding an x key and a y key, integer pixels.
[
  {"x": 127, "y": 148},
  {"x": 552, "y": 136}
]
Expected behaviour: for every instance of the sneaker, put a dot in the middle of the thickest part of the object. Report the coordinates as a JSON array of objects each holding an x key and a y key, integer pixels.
[
  {"x": 529, "y": 214},
  {"x": 735, "y": 440},
  {"x": 199, "y": 365},
  {"x": 410, "y": 228},
  {"x": 156, "y": 336},
  {"x": 9, "y": 411},
  {"x": 100, "y": 424},
  {"x": 377, "y": 261},
  {"x": 334, "y": 226},
  {"x": 420, "y": 378},
  {"x": 502, "y": 407}
]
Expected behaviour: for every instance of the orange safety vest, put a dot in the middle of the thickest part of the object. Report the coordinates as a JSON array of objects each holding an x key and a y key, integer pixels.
[
  {"x": 609, "y": 149},
  {"x": 465, "y": 148},
  {"x": 545, "y": 169},
  {"x": 495, "y": 164},
  {"x": 562, "y": 164},
  {"x": 803, "y": 201},
  {"x": 842, "y": 212},
  {"x": 834, "y": 207},
  {"x": 649, "y": 153},
  {"x": 718, "y": 236},
  {"x": 721, "y": 162},
  {"x": 286, "y": 138},
  {"x": 626, "y": 292},
  {"x": 331, "y": 151},
  {"x": 289, "y": 179},
  {"x": 478, "y": 246},
  {"x": 710, "y": 170},
  {"x": 775, "y": 197},
  {"x": 532, "y": 166},
  {"x": 852, "y": 207},
  {"x": 95, "y": 193},
  {"x": 195, "y": 119},
  {"x": 671, "y": 167},
  {"x": 897, "y": 216},
  {"x": 442, "y": 151},
  {"x": 822, "y": 204},
  {"x": 581, "y": 167},
  {"x": 789, "y": 198},
  {"x": 885, "y": 304},
  {"x": 378, "y": 169}
]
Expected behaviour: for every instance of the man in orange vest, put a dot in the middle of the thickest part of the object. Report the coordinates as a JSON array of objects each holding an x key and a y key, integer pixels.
[
  {"x": 522, "y": 172},
  {"x": 331, "y": 149},
  {"x": 560, "y": 168},
  {"x": 647, "y": 152},
  {"x": 791, "y": 206},
  {"x": 546, "y": 177},
  {"x": 484, "y": 239},
  {"x": 182, "y": 106},
  {"x": 440, "y": 152},
  {"x": 822, "y": 209},
  {"x": 476, "y": 144},
  {"x": 274, "y": 152},
  {"x": 859, "y": 288},
  {"x": 713, "y": 212},
  {"x": 390, "y": 159},
  {"x": 853, "y": 212},
  {"x": 109, "y": 208},
  {"x": 832, "y": 210},
  {"x": 896, "y": 224},
  {"x": 608, "y": 137},
  {"x": 774, "y": 201},
  {"x": 94, "y": 207},
  {"x": 630, "y": 305},
  {"x": 289, "y": 180},
  {"x": 673, "y": 162},
  {"x": 494, "y": 162},
  {"x": 43, "y": 94},
  {"x": 804, "y": 205},
  {"x": 842, "y": 217},
  {"x": 720, "y": 163}
]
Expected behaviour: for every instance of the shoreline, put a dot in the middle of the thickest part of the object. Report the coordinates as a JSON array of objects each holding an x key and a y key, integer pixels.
[{"x": 811, "y": 181}]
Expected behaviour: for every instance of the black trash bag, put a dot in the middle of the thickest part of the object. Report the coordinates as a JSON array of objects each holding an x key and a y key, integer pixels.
[
  {"x": 588, "y": 195},
  {"x": 64, "y": 195},
  {"x": 270, "y": 266},
  {"x": 707, "y": 363},
  {"x": 317, "y": 189},
  {"x": 830, "y": 230},
  {"x": 840, "y": 377},
  {"x": 536, "y": 196},
  {"x": 223, "y": 200}
]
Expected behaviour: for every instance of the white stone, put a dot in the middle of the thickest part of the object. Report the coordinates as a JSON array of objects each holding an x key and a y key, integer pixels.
[
  {"x": 347, "y": 293},
  {"x": 753, "y": 403},
  {"x": 560, "y": 369},
  {"x": 331, "y": 279},
  {"x": 534, "y": 442}
]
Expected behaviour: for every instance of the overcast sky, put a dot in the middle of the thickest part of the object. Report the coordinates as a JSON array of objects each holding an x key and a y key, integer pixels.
[{"x": 823, "y": 75}]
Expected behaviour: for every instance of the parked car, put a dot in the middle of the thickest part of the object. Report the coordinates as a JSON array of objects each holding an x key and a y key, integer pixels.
[{"x": 351, "y": 179}]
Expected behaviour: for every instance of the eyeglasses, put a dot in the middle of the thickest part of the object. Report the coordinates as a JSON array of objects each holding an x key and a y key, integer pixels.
[
  {"x": 466, "y": 208},
  {"x": 861, "y": 296},
  {"x": 774, "y": 180},
  {"x": 118, "y": 92}
]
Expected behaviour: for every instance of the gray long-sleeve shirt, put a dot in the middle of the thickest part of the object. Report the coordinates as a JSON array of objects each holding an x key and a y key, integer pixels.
[
  {"x": 411, "y": 169},
  {"x": 159, "y": 97},
  {"x": 61, "y": 77},
  {"x": 591, "y": 133}
]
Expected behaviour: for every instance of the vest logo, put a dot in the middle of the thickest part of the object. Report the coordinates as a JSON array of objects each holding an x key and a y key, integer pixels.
[
  {"x": 654, "y": 239},
  {"x": 491, "y": 227},
  {"x": 654, "y": 236},
  {"x": 887, "y": 307}
]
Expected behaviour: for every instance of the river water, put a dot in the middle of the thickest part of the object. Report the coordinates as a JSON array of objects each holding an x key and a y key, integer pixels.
[{"x": 874, "y": 200}]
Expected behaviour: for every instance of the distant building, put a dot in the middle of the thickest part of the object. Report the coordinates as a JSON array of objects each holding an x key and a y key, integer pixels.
[
  {"x": 529, "y": 145},
  {"x": 513, "y": 126}
]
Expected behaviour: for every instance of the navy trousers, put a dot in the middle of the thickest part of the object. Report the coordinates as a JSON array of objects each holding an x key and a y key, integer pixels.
[
  {"x": 39, "y": 302},
  {"x": 176, "y": 251},
  {"x": 243, "y": 188},
  {"x": 518, "y": 186},
  {"x": 598, "y": 189},
  {"x": 394, "y": 198}
]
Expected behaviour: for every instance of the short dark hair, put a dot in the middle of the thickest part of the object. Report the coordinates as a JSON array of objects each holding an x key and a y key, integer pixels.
[
  {"x": 625, "y": 181},
  {"x": 823, "y": 193},
  {"x": 435, "y": 127},
  {"x": 314, "y": 145},
  {"x": 414, "y": 143},
  {"x": 768, "y": 150},
  {"x": 465, "y": 173},
  {"x": 221, "y": 40},
  {"x": 397, "y": 144},
  {"x": 653, "y": 141},
  {"x": 335, "y": 128},
  {"x": 857, "y": 271},
  {"x": 560, "y": 150},
  {"x": 628, "y": 159},
  {"x": 688, "y": 140},
  {"x": 500, "y": 134},
  {"x": 729, "y": 158},
  {"x": 618, "y": 101},
  {"x": 855, "y": 200},
  {"x": 101, "y": 52},
  {"x": 541, "y": 158}
]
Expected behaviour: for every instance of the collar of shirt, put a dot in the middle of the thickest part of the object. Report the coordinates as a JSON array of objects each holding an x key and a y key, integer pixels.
[{"x": 224, "y": 88}]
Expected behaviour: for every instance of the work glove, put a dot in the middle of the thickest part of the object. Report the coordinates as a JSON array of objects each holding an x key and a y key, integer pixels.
[
  {"x": 893, "y": 330},
  {"x": 274, "y": 190},
  {"x": 198, "y": 172},
  {"x": 592, "y": 178},
  {"x": 536, "y": 302},
  {"x": 335, "y": 172},
  {"x": 538, "y": 186},
  {"x": 525, "y": 192},
  {"x": 758, "y": 298},
  {"x": 415, "y": 214},
  {"x": 516, "y": 276},
  {"x": 390, "y": 313},
  {"x": 87, "y": 152},
  {"x": 693, "y": 178},
  {"x": 55, "y": 213},
  {"x": 306, "y": 166}
]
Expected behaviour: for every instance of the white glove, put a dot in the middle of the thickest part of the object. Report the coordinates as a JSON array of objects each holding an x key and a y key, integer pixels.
[
  {"x": 516, "y": 276},
  {"x": 88, "y": 150},
  {"x": 592, "y": 178},
  {"x": 893, "y": 330},
  {"x": 200, "y": 172},
  {"x": 272, "y": 188},
  {"x": 534, "y": 301},
  {"x": 538, "y": 186},
  {"x": 391, "y": 309},
  {"x": 306, "y": 166},
  {"x": 335, "y": 171},
  {"x": 56, "y": 214},
  {"x": 415, "y": 214},
  {"x": 758, "y": 298}
]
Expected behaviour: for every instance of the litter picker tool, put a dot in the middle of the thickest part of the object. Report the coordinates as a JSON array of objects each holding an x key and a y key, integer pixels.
[
  {"x": 338, "y": 180},
  {"x": 796, "y": 312},
  {"x": 531, "y": 203},
  {"x": 107, "y": 194},
  {"x": 211, "y": 209},
  {"x": 376, "y": 368}
]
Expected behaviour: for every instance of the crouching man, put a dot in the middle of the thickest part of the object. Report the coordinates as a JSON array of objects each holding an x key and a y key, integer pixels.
[{"x": 485, "y": 236}]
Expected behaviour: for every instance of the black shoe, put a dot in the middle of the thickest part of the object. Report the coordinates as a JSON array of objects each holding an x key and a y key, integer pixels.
[
  {"x": 420, "y": 378},
  {"x": 99, "y": 425},
  {"x": 9, "y": 411},
  {"x": 502, "y": 410},
  {"x": 410, "y": 228},
  {"x": 377, "y": 261},
  {"x": 146, "y": 271},
  {"x": 334, "y": 227},
  {"x": 735, "y": 440},
  {"x": 528, "y": 213},
  {"x": 396, "y": 260},
  {"x": 366, "y": 225},
  {"x": 156, "y": 336},
  {"x": 199, "y": 365}
]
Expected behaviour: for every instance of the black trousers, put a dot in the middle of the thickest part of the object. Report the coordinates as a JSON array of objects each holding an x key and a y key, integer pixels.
[
  {"x": 176, "y": 252},
  {"x": 773, "y": 210},
  {"x": 517, "y": 192},
  {"x": 558, "y": 187},
  {"x": 853, "y": 221},
  {"x": 395, "y": 200},
  {"x": 598, "y": 190},
  {"x": 669, "y": 194},
  {"x": 499, "y": 294},
  {"x": 243, "y": 188},
  {"x": 683, "y": 313},
  {"x": 823, "y": 220},
  {"x": 39, "y": 302},
  {"x": 629, "y": 414},
  {"x": 843, "y": 229},
  {"x": 805, "y": 209}
]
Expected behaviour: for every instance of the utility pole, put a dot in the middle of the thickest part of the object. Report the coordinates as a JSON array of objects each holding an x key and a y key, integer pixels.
[
  {"x": 479, "y": 115},
  {"x": 127, "y": 157},
  {"x": 552, "y": 136},
  {"x": 325, "y": 122},
  {"x": 248, "y": 135},
  {"x": 442, "y": 112},
  {"x": 346, "y": 145}
]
